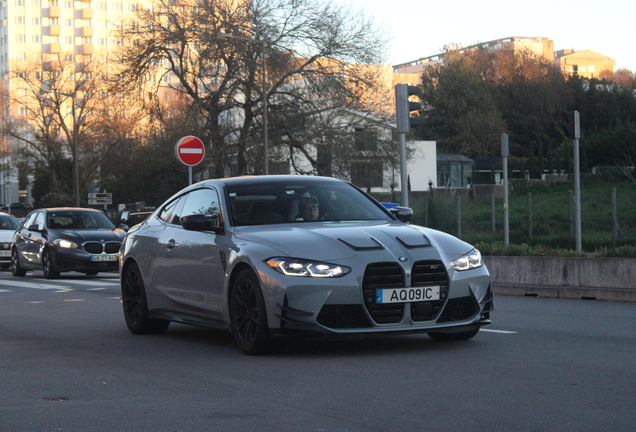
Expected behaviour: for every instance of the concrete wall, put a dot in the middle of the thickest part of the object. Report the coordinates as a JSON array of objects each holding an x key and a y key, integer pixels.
[{"x": 612, "y": 279}]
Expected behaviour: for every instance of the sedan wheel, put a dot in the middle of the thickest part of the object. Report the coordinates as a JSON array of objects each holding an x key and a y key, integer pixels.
[
  {"x": 47, "y": 266},
  {"x": 248, "y": 318},
  {"x": 15, "y": 264},
  {"x": 450, "y": 337},
  {"x": 133, "y": 296}
]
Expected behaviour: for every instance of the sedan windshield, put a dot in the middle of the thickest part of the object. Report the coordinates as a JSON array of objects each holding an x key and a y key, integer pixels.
[
  {"x": 73, "y": 219},
  {"x": 9, "y": 223},
  {"x": 300, "y": 201}
]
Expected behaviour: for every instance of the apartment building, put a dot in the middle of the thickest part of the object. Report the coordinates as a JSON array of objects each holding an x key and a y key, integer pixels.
[
  {"x": 585, "y": 63},
  {"x": 541, "y": 46}
]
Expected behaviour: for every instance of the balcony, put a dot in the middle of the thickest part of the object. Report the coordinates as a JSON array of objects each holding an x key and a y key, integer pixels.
[
  {"x": 87, "y": 32},
  {"x": 55, "y": 12},
  {"x": 87, "y": 13},
  {"x": 55, "y": 30},
  {"x": 54, "y": 48},
  {"x": 88, "y": 49}
]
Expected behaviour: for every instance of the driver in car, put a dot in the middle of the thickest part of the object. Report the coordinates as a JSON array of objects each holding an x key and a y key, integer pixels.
[{"x": 309, "y": 209}]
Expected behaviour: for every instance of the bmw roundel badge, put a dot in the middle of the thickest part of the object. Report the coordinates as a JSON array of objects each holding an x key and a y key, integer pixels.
[{"x": 402, "y": 258}]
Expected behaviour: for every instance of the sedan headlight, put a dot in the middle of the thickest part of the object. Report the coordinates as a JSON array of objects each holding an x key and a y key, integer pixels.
[
  {"x": 65, "y": 244},
  {"x": 306, "y": 268},
  {"x": 468, "y": 261}
]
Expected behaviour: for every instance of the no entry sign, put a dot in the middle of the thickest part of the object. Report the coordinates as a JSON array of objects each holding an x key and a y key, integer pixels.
[{"x": 190, "y": 150}]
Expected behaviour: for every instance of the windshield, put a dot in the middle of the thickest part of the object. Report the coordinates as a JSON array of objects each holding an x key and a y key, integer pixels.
[
  {"x": 8, "y": 223},
  {"x": 70, "y": 219},
  {"x": 300, "y": 202}
]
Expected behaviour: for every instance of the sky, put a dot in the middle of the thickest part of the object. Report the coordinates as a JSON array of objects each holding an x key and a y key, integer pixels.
[{"x": 421, "y": 28}]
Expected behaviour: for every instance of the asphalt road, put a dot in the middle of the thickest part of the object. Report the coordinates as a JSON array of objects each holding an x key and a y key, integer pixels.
[{"x": 68, "y": 363}]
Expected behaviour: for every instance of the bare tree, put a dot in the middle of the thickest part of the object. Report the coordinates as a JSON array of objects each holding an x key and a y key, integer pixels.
[
  {"x": 61, "y": 108},
  {"x": 305, "y": 44}
]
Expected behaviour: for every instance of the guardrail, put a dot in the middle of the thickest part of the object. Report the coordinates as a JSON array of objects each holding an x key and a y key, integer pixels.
[{"x": 609, "y": 279}]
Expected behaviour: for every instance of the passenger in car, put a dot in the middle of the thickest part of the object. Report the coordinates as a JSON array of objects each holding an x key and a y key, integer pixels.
[{"x": 309, "y": 209}]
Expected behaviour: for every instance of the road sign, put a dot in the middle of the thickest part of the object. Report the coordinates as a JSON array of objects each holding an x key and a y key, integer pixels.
[
  {"x": 100, "y": 195},
  {"x": 190, "y": 150},
  {"x": 99, "y": 201}
]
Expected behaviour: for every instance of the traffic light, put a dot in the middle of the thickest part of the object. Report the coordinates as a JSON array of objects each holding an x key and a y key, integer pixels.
[
  {"x": 403, "y": 107},
  {"x": 572, "y": 124}
]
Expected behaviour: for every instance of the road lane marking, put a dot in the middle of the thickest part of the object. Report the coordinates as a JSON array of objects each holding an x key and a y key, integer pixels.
[
  {"x": 91, "y": 283},
  {"x": 1, "y": 290},
  {"x": 74, "y": 300},
  {"x": 95, "y": 289},
  {"x": 31, "y": 285},
  {"x": 35, "y": 302},
  {"x": 498, "y": 331}
]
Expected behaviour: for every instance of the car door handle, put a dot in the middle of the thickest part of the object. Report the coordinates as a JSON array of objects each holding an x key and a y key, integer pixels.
[{"x": 170, "y": 244}]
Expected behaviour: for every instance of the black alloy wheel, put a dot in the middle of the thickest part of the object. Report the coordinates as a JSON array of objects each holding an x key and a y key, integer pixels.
[
  {"x": 16, "y": 270},
  {"x": 454, "y": 337},
  {"x": 248, "y": 318},
  {"x": 133, "y": 297},
  {"x": 47, "y": 266}
]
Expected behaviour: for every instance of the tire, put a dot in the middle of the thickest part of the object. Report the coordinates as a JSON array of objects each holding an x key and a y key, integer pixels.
[
  {"x": 133, "y": 296},
  {"x": 16, "y": 270},
  {"x": 47, "y": 266},
  {"x": 454, "y": 337},
  {"x": 248, "y": 317}
]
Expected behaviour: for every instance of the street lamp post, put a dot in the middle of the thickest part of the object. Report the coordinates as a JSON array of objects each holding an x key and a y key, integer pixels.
[
  {"x": 264, "y": 94},
  {"x": 72, "y": 95}
]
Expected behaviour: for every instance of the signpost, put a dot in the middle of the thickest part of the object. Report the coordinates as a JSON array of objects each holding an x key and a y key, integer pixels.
[
  {"x": 190, "y": 152},
  {"x": 100, "y": 198}
]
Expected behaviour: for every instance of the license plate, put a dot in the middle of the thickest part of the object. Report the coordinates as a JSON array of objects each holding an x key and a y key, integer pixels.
[
  {"x": 103, "y": 257},
  {"x": 406, "y": 295},
  {"x": 5, "y": 253}
]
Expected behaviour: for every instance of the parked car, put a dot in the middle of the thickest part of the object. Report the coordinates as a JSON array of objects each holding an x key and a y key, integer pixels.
[
  {"x": 19, "y": 210},
  {"x": 8, "y": 225},
  {"x": 278, "y": 256},
  {"x": 66, "y": 239}
]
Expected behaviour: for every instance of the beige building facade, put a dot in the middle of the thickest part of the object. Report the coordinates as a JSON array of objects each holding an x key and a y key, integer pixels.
[{"x": 585, "y": 63}]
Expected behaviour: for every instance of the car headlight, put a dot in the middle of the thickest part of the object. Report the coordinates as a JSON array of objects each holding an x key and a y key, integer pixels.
[
  {"x": 306, "y": 268},
  {"x": 468, "y": 261},
  {"x": 65, "y": 244}
]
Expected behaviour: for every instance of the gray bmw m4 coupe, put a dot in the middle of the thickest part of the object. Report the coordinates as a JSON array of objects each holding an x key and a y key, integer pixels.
[{"x": 274, "y": 257}]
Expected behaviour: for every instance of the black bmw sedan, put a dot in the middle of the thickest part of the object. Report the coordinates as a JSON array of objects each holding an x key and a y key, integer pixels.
[{"x": 66, "y": 239}]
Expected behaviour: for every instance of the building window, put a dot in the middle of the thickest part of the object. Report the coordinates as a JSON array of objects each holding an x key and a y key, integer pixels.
[
  {"x": 37, "y": 39},
  {"x": 19, "y": 2},
  {"x": 102, "y": 41},
  {"x": 367, "y": 174},
  {"x": 22, "y": 111},
  {"x": 591, "y": 68},
  {"x": 101, "y": 6},
  {"x": 20, "y": 38},
  {"x": 19, "y": 20},
  {"x": 68, "y": 22},
  {"x": 102, "y": 24},
  {"x": 54, "y": 38},
  {"x": 366, "y": 139},
  {"x": 54, "y": 21},
  {"x": 36, "y": 21},
  {"x": 118, "y": 7},
  {"x": 69, "y": 40},
  {"x": 20, "y": 56},
  {"x": 69, "y": 5},
  {"x": 69, "y": 58}
]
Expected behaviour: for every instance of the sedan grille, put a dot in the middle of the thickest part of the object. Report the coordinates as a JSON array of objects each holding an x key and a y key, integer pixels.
[
  {"x": 459, "y": 309},
  {"x": 112, "y": 247},
  {"x": 343, "y": 316},
  {"x": 378, "y": 276},
  {"x": 429, "y": 273},
  {"x": 96, "y": 248},
  {"x": 93, "y": 248}
]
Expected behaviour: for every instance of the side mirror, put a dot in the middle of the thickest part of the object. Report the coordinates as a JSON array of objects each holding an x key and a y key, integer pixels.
[
  {"x": 124, "y": 227},
  {"x": 202, "y": 222},
  {"x": 34, "y": 227},
  {"x": 404, "y": 214}
]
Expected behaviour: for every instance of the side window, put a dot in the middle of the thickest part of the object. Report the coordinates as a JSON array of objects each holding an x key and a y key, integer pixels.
[
  {"x": 170, "y": 212},
  {"x": 30, "y": 220},
  {"x": 39, "y": 220},
  {"x": 201, "y": 201}
]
